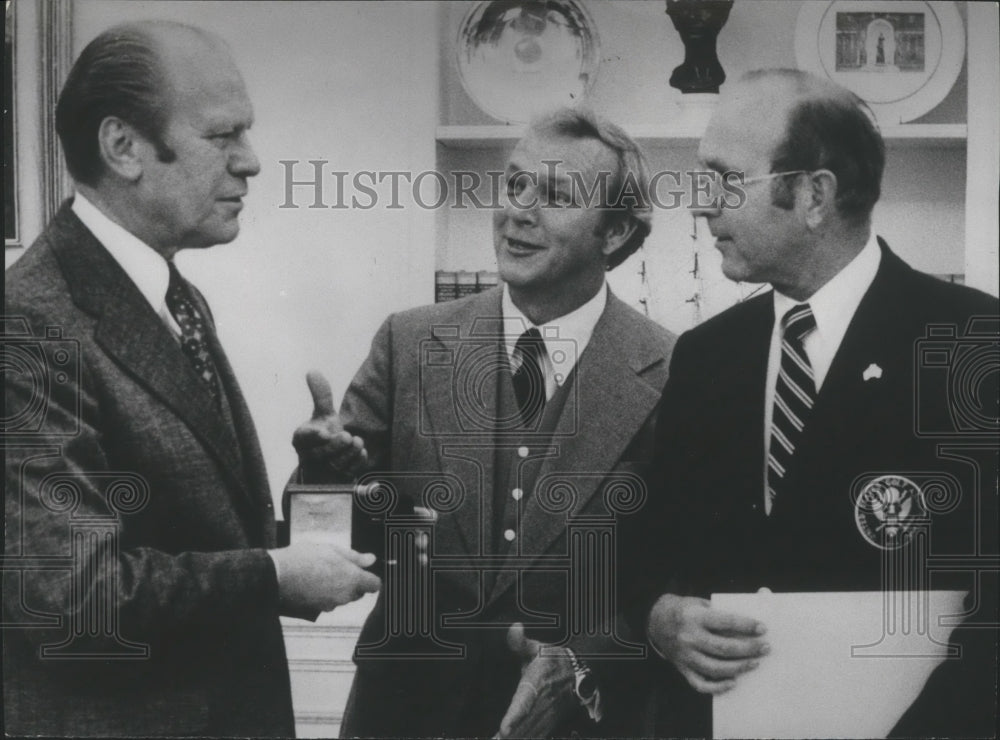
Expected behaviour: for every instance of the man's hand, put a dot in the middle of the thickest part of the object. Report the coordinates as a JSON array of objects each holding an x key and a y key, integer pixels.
[
  {"x": 545, "y": 694},
  {"x": 708, "y": 646},
  {"x": 317, "y": 577},
  {"x": 324, "y": 446}
]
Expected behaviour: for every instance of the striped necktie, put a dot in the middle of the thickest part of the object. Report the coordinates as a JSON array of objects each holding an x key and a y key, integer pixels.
[
  {"x": 794, "y": 397},
  {"x": 194, "y": 330}
]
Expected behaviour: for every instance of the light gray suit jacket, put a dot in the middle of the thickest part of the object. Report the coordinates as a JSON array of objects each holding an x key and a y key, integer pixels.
[{"x": 425, "y": 403}]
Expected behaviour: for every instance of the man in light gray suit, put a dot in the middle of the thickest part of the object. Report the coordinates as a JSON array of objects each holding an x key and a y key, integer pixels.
[
  {"x": 142, "y": 586},
  {"x": 531, "y": 405}
]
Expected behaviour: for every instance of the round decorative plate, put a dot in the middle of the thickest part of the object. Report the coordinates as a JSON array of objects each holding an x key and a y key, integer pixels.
[
  {"x": 518, "y": 58},
  {"x": 900, "y": 56}
]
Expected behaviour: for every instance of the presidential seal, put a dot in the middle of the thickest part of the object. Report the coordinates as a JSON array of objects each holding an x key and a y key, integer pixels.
[{"x": 888, "y": 508}]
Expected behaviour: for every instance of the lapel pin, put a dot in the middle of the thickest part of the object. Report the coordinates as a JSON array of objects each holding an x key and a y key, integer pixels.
[{"x": 872, "y": 371}]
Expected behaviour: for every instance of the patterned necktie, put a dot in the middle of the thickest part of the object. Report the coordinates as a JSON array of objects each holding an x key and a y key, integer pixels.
[
  {"x": 794, "y": 397},
  {"x": 194, "y": 330},
  {"x": 529, "y": 378}
]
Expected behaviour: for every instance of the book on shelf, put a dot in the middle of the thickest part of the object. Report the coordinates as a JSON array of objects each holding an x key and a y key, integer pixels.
[
  {"x": 466, "y": 283},
  {"x": 449, "y": 285},
  {"x": 486, "y": 280},
  {"x": 445, "y": 286}
]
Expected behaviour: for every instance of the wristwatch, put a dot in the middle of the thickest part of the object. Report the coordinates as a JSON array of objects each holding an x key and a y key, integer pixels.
[{"x": 585, "y": 686}]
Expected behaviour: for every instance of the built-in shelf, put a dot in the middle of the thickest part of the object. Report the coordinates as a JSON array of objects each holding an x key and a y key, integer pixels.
[{"x": 907, "y": 135}]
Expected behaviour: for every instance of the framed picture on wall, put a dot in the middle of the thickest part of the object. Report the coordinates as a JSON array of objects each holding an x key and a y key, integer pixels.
[
  {"x": 11, "y": 223},
  {"x": 902, "y": 57}
]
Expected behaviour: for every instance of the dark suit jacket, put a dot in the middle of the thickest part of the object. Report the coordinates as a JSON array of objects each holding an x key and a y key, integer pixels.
[
  {"x": 415, "y": 402},
  {"x": 174, "y": 608},
  {"x": 711, "y": 520}
]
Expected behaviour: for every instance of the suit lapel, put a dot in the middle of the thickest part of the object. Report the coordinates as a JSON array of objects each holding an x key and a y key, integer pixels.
[
  {"x": 741, "y": 392},
  {"x": 130, "y": 332},
  {"x": 458, "y": 377},
  {"x": 250, "y": 455},
  {"x": 869, "y": 341},
  {"x": 609, "y": 404},
  {"x": 865, "y": 341}
]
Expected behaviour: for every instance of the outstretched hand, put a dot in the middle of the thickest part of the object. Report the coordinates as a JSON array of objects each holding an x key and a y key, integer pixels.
[{"x": 325, "y": 448}]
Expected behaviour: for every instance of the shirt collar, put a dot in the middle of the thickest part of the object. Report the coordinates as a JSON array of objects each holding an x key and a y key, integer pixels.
[
  {"x": 833, "y": 306},
  {"x": 565, "y": 338},
  {"x": 143, "y": 264}
]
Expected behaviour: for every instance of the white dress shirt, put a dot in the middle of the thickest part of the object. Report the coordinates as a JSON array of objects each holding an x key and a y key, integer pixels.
[
  {"x": 144, "y": 265},
  {"x": 565, "y": 338},
  {"x": 833, "y": 306}
]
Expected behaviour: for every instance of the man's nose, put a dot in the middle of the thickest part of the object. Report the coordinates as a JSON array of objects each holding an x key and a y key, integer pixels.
[
  {"x": 522, "y": 207},
  {"x": 708, "y": 205},
  {"x": 706, "y": 196},
  {"x": 244, "y": 162}
]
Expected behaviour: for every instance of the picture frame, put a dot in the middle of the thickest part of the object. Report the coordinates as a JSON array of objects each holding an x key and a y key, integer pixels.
[
  {"x": 11, "y": 204},
  {"x": 901, "y": 57}
]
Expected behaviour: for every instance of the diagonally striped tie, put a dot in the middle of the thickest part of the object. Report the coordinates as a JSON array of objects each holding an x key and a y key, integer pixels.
[{"x": 794, "y": 396}]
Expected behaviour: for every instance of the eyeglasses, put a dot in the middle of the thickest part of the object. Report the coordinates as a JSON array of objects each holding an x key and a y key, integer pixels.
[
  {"x": 771, "y": 176},
  {"x": 721, "y": 186}
]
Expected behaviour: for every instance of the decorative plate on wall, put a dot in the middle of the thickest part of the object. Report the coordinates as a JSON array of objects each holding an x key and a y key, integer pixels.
[
  {"x": 517, "y": 58},
  {"x": 900, "y": 56}
]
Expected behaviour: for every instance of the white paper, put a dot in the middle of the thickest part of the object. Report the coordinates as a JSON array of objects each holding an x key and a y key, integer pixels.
[{"x": 841, "y": 664}]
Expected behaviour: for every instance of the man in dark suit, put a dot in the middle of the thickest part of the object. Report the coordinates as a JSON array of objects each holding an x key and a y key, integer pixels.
[
  {"x": 142, "y": 587},
  {"x": 800, "y": 445},
  {"x": 513, "y": 415}
]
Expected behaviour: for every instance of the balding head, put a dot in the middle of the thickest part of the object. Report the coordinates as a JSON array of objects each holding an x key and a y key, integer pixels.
[
  {"x": 128, "y": 72},
  {"x": 823, "y": 127}
]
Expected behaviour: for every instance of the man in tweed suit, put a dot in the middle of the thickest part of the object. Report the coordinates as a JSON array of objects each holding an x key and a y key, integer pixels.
[
  {"x": 142, "y": 587},
  {"x": 510, "y": 399}
]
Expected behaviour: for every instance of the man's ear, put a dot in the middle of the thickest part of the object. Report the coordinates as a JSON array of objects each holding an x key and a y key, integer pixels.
[
  {"x": 121, "y": 148},
  {"x": 617, "y": 231},
  {"x": 818, "y": 197}
]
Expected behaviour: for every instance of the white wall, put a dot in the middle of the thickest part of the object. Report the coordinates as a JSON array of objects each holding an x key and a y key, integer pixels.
[
  {"x": 921, "y": 213},
  {"x": 359, "y": 85},
  {"x": 304, "y": 288}
]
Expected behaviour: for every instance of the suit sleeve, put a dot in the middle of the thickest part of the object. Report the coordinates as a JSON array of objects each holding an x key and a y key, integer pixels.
[
  {"x": 367, "y": 408},
  {"x": 960, "y": 696},
  {"x": 653, "y": 544},
  {"x": 624, "y": 680},
  {"x": 64, "y": 502},
  {"x": 367, "y": 412}
]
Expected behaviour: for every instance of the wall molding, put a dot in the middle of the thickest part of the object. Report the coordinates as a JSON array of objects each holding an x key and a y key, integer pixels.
[
  {"x": 319, "y": 718},
  {"x": 55, "y": 38},
  {"x": 320, "y": 665}
]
